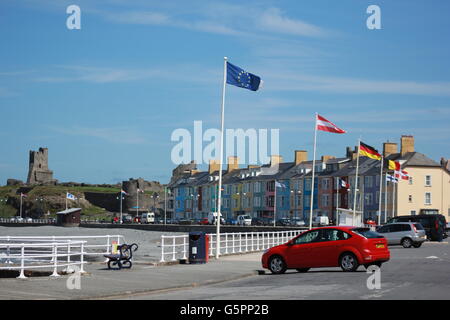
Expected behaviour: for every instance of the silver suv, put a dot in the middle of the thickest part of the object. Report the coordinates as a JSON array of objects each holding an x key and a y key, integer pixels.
[{"x": 408, "y": 234}]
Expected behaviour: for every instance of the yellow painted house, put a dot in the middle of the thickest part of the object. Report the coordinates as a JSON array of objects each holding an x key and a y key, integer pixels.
[{"x": 428, "y": 188}]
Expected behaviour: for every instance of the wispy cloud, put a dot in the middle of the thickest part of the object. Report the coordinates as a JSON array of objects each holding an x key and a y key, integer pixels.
[
  {"x": 287, "y": 80},
  {"x": 92, "y": 74},
  {"x": 120, "y": 135},
  {"x": 222, "y": 18}
]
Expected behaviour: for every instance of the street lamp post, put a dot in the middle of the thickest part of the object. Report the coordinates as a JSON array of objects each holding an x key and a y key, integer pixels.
[{"x": 121, "y": 198}]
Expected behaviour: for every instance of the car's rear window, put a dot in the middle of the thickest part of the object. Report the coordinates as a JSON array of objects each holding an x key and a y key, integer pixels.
[
  {"x": 367, "y": 233},
  {"x": 418, "y": 226}
]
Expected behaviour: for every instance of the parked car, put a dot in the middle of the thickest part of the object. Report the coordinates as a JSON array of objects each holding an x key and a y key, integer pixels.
[
  {"x": 137, "y": 219},
  {"x": 434, "y": 224},
  {"x": 115, "y": 220},
  {"x": 127, "y": 218},
  {"x": 321, "y": 221},
  {"x": 345, "y": 247},
  {"x": 203, "y": 221},
  {"x": 29, "y": 220},
  {"x": 244, "y": 220},
  {"x": 408, "y": 234},
  {"x": 231, "y": 221},
  {"x": 267, "y": 221},
  {"x": 212, "y": 216},
  {"x": 283, "y": 222},
  {"x": 258, "y": 221},
  {"x": 298, "y": 222},
  {"x": 185, "y": 221},
  {"x": 148, "y": 217}
]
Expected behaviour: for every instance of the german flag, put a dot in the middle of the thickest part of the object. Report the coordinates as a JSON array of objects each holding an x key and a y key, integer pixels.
[{"x": 368, "y": 151}]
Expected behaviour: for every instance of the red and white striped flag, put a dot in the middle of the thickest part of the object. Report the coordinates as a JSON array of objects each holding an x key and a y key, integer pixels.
[
  {"x": 402, "y": 174},
  {"x": 325, "y": 125}
]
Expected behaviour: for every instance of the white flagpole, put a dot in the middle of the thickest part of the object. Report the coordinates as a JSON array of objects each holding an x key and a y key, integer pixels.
[
  {"x": 385, "y": 197},
  {"x": 313, "y": 174},
  {"x": 21, "y": 195},
  {"x": 219, "y": 201},
  {"x": 356, "y": 182},
  {"x": 66, "y": 199},
  {"x": 165, "y": 204},
  {"x": 393, "y": 197},
  {"x": 337, "y": 200},
  {"x": 275, "y": 205},
  {"x": 381, "y": 189},
  {"x": 121, "y": 195}
]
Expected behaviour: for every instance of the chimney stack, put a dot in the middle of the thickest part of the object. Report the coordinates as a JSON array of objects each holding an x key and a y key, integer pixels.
[
  {"x": 233, "y": 163},
  {"x": 407, "y": 144},
  {"x": 389, "y": 148},
  {"x": 326, "y": 158},
  {"x": 300, "y": 156},
  {"x": 275, "y": 159},
  {"x": 213, "y": 166},
  {"x": 352, "y": 154}
]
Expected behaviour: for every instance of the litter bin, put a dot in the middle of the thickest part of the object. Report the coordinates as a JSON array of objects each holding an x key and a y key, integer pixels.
[{"x": 198, "y": 247}]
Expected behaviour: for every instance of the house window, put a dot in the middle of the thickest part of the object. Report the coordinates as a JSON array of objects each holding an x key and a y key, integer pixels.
[
  {"x": 410, "y": 180},
  {"x": 413, "y": 212},
  {"x": 410, "y": 198},
  {"x": 369, "y": 199},
  {"x": 325, "y": 200},
  {"x": 428, "y": 181},
  {"x": 368, "y": 181},
  {"x": 428, "y": 198},
  {"x": 325, "y": 184},
  {"x": 308, "y": 184}
]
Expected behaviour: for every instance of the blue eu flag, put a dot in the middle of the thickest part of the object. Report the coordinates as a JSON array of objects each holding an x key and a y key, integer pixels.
[{"x": 239, "y": 78}]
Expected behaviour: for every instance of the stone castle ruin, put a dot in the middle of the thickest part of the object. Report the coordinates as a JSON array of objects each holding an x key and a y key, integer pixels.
[{"x": 38, "y": 172}]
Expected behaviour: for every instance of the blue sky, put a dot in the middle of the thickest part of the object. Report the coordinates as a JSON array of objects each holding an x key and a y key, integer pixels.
[{"x": 105, "y": 99}]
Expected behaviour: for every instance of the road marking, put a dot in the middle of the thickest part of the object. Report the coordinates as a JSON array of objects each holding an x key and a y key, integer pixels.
[{"x": 432, "y": 257}]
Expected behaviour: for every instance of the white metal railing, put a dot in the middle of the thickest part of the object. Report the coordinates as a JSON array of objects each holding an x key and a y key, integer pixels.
[
  {"x": 94, "y": 245},
  {"x": 26, "y": 220},
  {"x": 177, "y": 247},
  {"x": 43, "y": 255}
]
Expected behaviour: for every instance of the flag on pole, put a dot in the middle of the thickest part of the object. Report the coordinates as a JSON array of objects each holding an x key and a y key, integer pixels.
[
  {"x": 344, "y": 184},
  {"x": 402, "y": 174},
  {"x": 123, "y": 192},
  {"x": 279, "y": 185},
  {"x": 393, "y": 165},
  {"x": 70, "y": 196},
  {"x": 391, "y": 178},
  {"x": 240, "y": 78},
  {"x": 368, "y": 151},
  {"x": 326, "y": 125},
  {"x": 23, "y": 195}
]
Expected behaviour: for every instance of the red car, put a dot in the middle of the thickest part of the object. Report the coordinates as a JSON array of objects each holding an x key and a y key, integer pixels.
[
  {"x": 345, "y": 247},
  {"x": 204, "y": 221}
]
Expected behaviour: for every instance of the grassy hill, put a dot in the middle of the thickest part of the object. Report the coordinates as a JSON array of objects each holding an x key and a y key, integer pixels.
[{"x": 51, "y": 199}]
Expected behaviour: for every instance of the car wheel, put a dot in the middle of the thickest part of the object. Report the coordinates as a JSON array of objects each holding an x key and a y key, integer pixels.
[
  {"x": 348, "y": 262},
  {"x": 303, "y": 270},
  {"x": 406, "y": 243},
  {"x": 417, "y": 245},
  {"x": 378, "y": 264},
  {"x": 277, "y": 265}
]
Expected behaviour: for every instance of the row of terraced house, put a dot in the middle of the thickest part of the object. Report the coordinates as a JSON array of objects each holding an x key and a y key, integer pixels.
[{"x": 251, "y": 190}]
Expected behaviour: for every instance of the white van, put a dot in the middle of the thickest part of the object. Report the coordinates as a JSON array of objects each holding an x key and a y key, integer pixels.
[
  {"x": 148, "y": 217},
  {"x": 244, "y": 220},
  {"x": 321, "y": 220},
  {"x": 212, "y": 216}
]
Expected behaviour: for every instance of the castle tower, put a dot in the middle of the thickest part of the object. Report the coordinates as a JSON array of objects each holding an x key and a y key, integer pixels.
[{"x": 38, "y": 172}]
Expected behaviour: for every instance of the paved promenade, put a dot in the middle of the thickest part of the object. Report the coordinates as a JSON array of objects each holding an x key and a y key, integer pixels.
[{"x": 141, "y": 279}]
